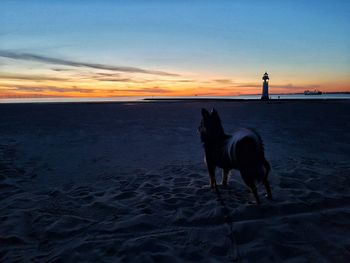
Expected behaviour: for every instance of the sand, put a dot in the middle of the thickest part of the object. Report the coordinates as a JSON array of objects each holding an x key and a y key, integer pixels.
[{"x": 126, "y": 182}]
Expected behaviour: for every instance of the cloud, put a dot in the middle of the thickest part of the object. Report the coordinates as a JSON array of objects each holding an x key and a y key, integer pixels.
[
  {"x": 29, "y": 77},
  {"x": 113, "y": 77},
  {"x": 247, "y": 85},
  {"x": 49, "y": 89},
  {"x": 107, "y": 77},
  {"x": 291, "y": 87},
  {"x": 102, "y": 76},
  {"x": 71, "y": 63},
  {"x": 232, "y": 84},
  {"x": 116, "y": 79},
  {"x": 223, "y": 81},
  {"x": 61, "y": 69},
  {"x": 25, "y": 88},
  {"x": 145, "y": 90},
  {"x": 184, "y": 80}
]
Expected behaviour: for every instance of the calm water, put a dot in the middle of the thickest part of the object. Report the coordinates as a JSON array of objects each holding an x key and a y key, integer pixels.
[
  {"x": 58, "y": 100},
  {"x": 300, "y": 96}
]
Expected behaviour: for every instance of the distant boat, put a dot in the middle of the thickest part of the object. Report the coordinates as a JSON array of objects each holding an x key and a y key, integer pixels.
[{"x": 315, "y": 92}]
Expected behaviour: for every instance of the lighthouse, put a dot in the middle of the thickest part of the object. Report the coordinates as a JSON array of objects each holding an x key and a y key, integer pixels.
[{"x": 265, "y": 88}]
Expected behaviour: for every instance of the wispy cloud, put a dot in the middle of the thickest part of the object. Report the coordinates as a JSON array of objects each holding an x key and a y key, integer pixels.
[
  {"x": 145, "y": 90},
  {"x": 29, "y": 77},
  {"x": 71, "y": 63},
  {"x": 74, "y": 89},
  {"x": 48, "y": 89},
  {"x": 223, "y": 81},
  {"x": 291, "y": 87},
  {"x": 246, "y": 85},
  {"x": 229, "y": 83},
  {"x": 61, "y": 69},
  {"x": 111, "y": 79}
]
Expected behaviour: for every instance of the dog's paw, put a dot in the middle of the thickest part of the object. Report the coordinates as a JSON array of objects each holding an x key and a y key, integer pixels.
[
  {"x": 213, "y": 186},
  {"x": 268, "y": 196},
  {"x": 223, "y": 185}
]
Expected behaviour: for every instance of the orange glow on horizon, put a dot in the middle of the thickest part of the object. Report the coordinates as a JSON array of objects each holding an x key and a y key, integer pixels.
[{"x": 103, "y": 85}]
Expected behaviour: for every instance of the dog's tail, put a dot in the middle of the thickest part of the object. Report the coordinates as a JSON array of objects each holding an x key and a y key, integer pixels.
[
  {"x": 251, "y": 156},
  {"x": 267, "y": 167},
  {"x": 266, "y": 164}
]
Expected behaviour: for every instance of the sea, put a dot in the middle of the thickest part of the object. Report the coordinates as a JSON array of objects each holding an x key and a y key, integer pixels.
[{"x": 338, "y": 96}]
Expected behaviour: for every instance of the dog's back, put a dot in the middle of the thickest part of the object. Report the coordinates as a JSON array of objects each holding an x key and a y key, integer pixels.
[{"x": 239, "y": 148}]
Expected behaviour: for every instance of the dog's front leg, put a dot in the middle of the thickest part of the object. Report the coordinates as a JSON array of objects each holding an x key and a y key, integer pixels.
[
  {"x": 212, "y": 179},
  {"x": 225, "y": 173}
]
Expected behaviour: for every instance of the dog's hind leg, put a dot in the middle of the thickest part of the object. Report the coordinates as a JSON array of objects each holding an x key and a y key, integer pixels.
[
  {"x": 247, "y": 157},
  {"x": 224, "y": 177},
  {"x": 268, "y": 188},
  {"x": 248, "y": 178},
  {"x": 265, "y": 180},
  {"x": 255, "y": 193}
]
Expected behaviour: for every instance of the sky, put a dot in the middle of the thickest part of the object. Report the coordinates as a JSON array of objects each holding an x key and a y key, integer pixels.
[{"x": 172, "y": 48}]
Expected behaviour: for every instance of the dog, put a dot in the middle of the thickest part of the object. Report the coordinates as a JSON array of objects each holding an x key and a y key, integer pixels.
[{"x": 243, "y": 151}]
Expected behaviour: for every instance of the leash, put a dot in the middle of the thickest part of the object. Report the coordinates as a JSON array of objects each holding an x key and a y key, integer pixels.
[{"x": 229, "y": 221}]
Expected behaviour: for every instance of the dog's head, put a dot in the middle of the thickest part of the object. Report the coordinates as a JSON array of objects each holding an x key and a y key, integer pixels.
[{"x": 210, "y": 128}]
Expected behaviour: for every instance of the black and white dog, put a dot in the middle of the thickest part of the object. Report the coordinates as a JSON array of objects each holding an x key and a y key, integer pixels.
[{"x": 243, "y": 150}]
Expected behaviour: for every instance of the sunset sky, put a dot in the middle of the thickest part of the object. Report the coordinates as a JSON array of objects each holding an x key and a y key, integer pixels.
[{"x": 172, "y": 48}]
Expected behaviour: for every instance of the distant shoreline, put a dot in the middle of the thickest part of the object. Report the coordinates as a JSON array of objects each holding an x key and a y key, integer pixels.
[
  {"x": 273, "y": 97},
  {"x": 179, "y": 100},
  {"x": 233, "y": 99}
]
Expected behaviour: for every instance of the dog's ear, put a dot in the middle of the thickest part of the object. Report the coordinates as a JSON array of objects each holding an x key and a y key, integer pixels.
[
  {"x": 205, "y": 113},
  {"x": 214, "y": 112}
]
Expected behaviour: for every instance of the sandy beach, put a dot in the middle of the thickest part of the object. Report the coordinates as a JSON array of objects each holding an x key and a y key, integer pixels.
[{"x": 126, "y": 182}]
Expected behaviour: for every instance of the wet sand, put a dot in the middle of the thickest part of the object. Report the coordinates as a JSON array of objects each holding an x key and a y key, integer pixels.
[{"x": 110, "y": 182}]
